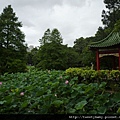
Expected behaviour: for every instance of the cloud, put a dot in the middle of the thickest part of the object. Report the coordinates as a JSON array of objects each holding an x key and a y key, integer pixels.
[{"x": 73, "y": 18}]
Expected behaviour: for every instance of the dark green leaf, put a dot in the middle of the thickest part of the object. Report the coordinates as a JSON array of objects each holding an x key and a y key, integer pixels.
[
  {"x": 101, "y": 110},
  {"x": 71, "y": 110},
  {"x": 57, "y": 103},
  {"x": 116, "y": 97},
  {"x": 24, "y": 104},
  {"x": 80, "y": 105}
]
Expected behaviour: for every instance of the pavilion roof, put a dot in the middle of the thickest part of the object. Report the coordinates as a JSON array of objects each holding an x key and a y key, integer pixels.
[{"x": 112, "y": 39}]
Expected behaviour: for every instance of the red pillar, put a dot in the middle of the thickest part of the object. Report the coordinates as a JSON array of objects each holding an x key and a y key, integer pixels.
[
  {"x": 119, "y": 59},
  {"x": 97, "y": 60}
]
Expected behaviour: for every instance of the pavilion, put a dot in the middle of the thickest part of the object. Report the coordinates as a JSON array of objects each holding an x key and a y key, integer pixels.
[{"x": 109, "y": 46}]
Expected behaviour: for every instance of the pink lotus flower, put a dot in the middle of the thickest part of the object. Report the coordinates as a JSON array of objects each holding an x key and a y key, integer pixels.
[
  {"x": 22, "y": 93},
  {"x": 0, "y": 83},
  {"x": 66, "y": 82}
]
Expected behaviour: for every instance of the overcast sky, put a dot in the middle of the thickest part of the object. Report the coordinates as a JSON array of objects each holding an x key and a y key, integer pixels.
[{"x": 73, "y": 18}]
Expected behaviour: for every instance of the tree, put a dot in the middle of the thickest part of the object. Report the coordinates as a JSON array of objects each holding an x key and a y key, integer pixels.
[
  {"x": 110, "y": 17},
  {"x": 117, "y": 26},
  {"x": 32, "y": 57},
  {"x": 51, "y": 56},
  {"x": 46, "y": 38},
  {"x": 100, "y": 34},
  {"x": 79, "y": 44},
  {"x": 56, "y": 36},
  {"x": 54, "y": 55},
  {"x": 12, "y": 46},
  {"x": 87, "y": 57},
  {"x": 72, "y": 58},
  {"x": 49, "y": 37},
  {"x": 57, "y": 56},
  {"x": 81, "y": 47}
]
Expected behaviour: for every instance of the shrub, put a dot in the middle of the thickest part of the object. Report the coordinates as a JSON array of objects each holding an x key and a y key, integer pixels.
[{"x": 88, "y": 76}]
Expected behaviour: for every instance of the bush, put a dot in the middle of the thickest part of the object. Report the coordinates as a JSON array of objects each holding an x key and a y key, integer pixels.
[{"x": 88, "y": 76}]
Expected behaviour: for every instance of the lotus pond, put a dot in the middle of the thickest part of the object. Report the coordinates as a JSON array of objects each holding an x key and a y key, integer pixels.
[{"x": 48, "y": 92}]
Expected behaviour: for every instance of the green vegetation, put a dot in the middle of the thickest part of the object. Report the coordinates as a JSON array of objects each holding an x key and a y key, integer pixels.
[
  {"x": 51, "y": 53},
  {"x": 43, "y": 92},
  {"x": 12, "y": 48},
  {"x": 111, "y": 77},
  {"x": 77, "y": 90}
]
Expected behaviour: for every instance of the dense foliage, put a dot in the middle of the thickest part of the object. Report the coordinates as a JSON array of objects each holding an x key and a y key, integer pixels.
[
  {"x": 44, "y": 92},
  {"x": 112, "y": 14},
  {"x": 52, "y": 54},
  {"x": 85, "y": 75},
  {"x": 12, "y": 48},
  {"x": 13, "y": 51},
  {"x": 53, "y": 36},
  {"x": 32, "y": 57}
]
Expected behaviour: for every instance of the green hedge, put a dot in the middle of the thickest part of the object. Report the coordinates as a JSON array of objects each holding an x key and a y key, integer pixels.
[
  {"x": 101, "y": 75},
  {"x": 112, "y": 77}
]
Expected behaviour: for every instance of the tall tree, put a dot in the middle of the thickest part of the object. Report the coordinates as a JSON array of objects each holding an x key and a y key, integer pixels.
[
  {"x": 46, "y": 37},
  {"x": 12, "y": 48},
  {"x": 110, "y": 17},
  {"x": 54, "y": 55},
  {"x": 81, "y": 47},
  {"x": 57, "y": 56},
  {"x": 49, "y": 56},
  {"x": 56, "y": 36}
]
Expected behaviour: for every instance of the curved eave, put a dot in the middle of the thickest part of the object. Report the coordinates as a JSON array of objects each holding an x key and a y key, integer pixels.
[{"x": 112, "y": 39}]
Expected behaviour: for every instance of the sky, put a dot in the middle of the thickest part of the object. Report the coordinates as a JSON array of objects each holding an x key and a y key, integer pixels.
[{"x": 73, "y": 18}]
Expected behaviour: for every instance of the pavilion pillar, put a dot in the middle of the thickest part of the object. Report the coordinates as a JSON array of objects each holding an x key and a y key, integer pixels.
[
  {"x": 97, "y": 60},
  {"x": 119, "y": 59}
]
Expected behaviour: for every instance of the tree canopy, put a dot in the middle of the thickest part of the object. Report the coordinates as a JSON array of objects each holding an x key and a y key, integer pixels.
[
  {"x": 12, "y": 48},
  {"x": 53, "y": 55},
  {"x": 48, "y": 37}
]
